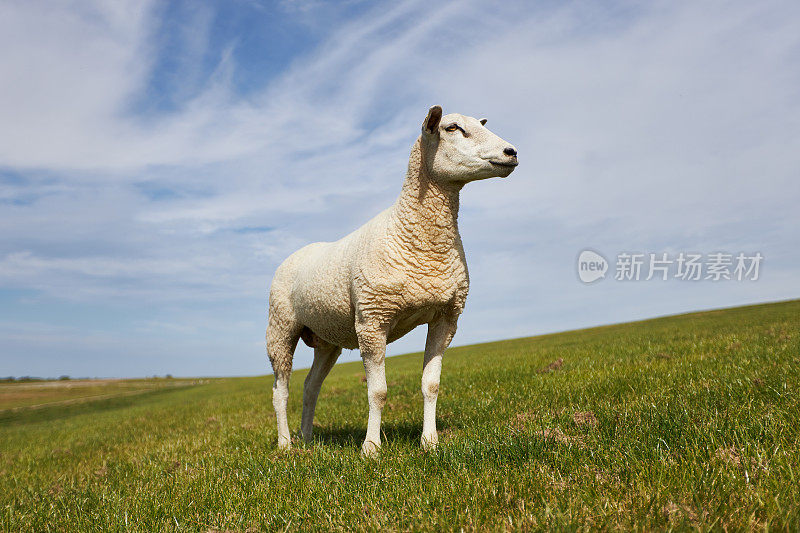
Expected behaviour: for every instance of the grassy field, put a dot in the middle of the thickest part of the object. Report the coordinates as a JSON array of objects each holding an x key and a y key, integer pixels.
[
  {"x": 690, "y": 421},
  {"x": 16, "y": 396}
]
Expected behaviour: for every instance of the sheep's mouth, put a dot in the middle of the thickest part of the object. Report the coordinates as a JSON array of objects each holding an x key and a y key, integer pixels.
[{"x": 510, "y": 164}]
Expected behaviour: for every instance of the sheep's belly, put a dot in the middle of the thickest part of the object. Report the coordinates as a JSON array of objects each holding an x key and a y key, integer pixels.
[
  {"x": 409, "y": 320},
  {"x": 338, "y": 330},
  {"x": 333, "y": 325}
]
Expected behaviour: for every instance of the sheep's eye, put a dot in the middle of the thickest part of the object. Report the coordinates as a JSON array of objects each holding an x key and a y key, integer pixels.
[{"x": 452, "y": 127}]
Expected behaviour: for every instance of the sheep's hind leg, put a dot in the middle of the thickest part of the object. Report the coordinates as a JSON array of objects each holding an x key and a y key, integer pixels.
[
  {"x": 372, "y": 344},
  {"x": 440, "y": 333},
  {"x": 325, "y": 356},
  {"x": 280, "y": 347}
]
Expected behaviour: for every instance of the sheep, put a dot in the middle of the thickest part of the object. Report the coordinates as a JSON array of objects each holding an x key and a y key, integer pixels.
[{"x": 404, "y": 268}]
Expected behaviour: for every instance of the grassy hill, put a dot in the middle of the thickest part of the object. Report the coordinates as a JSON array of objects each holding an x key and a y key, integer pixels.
[{"x": 684, "y": 421}]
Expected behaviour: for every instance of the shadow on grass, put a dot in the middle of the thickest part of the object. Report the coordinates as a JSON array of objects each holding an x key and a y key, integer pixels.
[
  {"x": 471, "y": 452},
  {"x": 344, "y": 436},
  {"x": 405, "y": 433}
]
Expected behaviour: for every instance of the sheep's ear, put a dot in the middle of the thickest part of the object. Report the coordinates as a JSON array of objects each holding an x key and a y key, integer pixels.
[
  {"x": 483, "y": 121},
  {"x": 432, "y": 120}
]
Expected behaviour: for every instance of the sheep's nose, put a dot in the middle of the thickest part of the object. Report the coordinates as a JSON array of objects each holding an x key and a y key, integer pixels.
[{"x": 510, "y": 151}]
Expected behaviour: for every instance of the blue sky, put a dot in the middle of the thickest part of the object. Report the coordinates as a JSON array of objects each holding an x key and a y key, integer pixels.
[{"x": 159, "y": 160}]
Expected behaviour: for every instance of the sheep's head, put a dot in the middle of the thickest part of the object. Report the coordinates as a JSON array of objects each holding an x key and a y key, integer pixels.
[{"x": 457, "y": 149}]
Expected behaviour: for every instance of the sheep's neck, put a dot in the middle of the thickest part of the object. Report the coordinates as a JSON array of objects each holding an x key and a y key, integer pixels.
[{"x": 427, "y": 212}]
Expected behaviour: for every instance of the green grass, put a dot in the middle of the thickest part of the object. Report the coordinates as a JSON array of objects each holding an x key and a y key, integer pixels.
[{"x": 695, "y": 425}]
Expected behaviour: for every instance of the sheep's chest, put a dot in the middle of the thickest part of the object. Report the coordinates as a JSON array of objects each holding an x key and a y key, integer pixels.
[
  {"x": 436, "y": 290},
  {"x": 404, "y": 290},
  {"x": 432, "y": 288}
]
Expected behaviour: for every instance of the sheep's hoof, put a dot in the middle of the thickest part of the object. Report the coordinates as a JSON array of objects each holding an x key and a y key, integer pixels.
[
  {"x": 370, "y": 449},
  {"x": 284, "y": 443},
  {"x": 430, "y": 443}
]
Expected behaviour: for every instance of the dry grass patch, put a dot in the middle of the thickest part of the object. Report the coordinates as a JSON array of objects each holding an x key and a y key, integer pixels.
[
  {"x": 552, "y": 367},
  {"x": 585, "y": 419}
]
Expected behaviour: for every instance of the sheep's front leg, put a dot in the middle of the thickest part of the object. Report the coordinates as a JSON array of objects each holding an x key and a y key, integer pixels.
[
  {"x": 440, "y": 333},
  {"x": 372, "y": 345}
]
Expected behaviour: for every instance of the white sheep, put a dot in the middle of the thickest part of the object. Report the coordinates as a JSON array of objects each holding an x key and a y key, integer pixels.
[{"x": 403, "y": 268}]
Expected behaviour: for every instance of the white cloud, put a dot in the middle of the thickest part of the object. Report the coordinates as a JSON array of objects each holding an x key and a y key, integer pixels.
[{"x": 68, "y": 66}]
